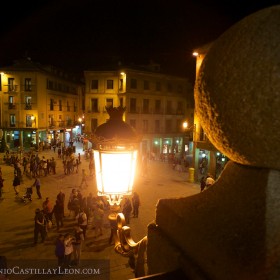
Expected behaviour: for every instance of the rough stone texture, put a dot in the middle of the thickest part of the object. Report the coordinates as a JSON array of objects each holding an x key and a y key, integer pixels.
[
  {"x": 230, "y": 231},
  {"x": 237, "y": 93}
]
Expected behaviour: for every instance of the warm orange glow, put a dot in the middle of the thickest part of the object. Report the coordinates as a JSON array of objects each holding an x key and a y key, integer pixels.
[
  {"x": 115, "y": 171},
  {"x": 195, "y": 53},
  {"x": 185, "y": 125}
]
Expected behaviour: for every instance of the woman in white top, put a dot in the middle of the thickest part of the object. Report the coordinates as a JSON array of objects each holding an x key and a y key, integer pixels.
[{"x": 68, "y": 249}]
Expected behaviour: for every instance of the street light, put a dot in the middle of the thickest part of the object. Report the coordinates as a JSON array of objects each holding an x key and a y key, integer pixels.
[
  {"x": 115, "y": 154},
  {"x": 80, "y": 120},
  {"x": 193, "y": 130}
]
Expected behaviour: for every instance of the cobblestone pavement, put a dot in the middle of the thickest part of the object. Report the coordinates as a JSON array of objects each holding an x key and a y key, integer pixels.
[{"x": 17, "y": 218}]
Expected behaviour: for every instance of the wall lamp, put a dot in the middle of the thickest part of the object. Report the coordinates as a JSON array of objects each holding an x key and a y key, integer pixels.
[
  {"x": 186, "y": 126},
  {"x": 33, "y": 119}
]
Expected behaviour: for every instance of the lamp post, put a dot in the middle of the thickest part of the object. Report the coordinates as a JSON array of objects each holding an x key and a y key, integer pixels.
[
  {"x": 115, "y": 154},
  {"x": 193, "y": 130},
  {"x": 80, "y": 120}
]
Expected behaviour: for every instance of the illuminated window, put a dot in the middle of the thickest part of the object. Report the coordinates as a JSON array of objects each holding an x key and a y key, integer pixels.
[
  {"x": 109, "y": 102},
  {"x": 27, "y": 84},
  {"x": 12, "y": 120}
]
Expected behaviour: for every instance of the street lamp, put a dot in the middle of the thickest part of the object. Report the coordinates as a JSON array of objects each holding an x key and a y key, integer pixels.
[
  {"x": 80, "y": 120},
  {"x": 191, "y": 129},
  {"x": 115, "y": 154}
]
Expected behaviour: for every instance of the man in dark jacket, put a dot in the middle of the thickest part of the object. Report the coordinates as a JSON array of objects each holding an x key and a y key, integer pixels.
[
  {"x": 37, "y": 184},
  {"x": 39, "y": 226},
  {"x": 127, "y": 208},
  {"x": 59, "y": 250}
]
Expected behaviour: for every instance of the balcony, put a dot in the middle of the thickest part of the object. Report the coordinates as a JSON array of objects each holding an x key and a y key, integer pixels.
[
  {"x": 51, "y": 124},
  {"x": 93, "y": 110},
  {"x": 169, "y": 111},
  {"x": 146, "y": 111},
  {"x": 61, "y": 124},
  {"x": 10, "y": 88},
  {"x": 69, "y": 122},
  {"x": 11, "y": 106},
  {"x": 158, "y": 111},
  {"x": 28, "y": 106}
]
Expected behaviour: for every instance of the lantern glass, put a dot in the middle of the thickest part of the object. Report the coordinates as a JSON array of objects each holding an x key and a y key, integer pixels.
[{"x": 115, "y": 171}]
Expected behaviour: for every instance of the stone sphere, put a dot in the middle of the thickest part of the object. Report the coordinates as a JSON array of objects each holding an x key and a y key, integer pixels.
[{"x": 237, "y": 91}]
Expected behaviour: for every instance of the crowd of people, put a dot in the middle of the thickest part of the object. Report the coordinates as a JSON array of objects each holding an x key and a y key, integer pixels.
[{"x": 54, "y": 219}]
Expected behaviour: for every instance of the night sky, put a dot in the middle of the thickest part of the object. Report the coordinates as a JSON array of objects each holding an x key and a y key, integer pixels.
[{"x": 87, "y": 34}]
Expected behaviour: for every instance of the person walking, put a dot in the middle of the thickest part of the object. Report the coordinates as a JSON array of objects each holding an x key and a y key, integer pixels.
[
  {"x": 202, "y": 184},
  {"x": 37, "y": 184},
  {"x": 114, "y": 228},
  {"x": 16, "y": 183},
  {"x": 61, "y": 201},
  {"x": 91, "y": 167},
  {"x": 135, "y": 203},
  {"x": 58, "y": 215},
  {"x": 84, "y": 179},
  {"x": 82, "y": 221},
  {"x": 39, "y": 226},
  {"x": 98, "y": 216},
  {"x": 209, "y": 180},
  {"x": 127, "y": 208},
  {"x": 77, "y": 165},
  {"x": 68, "y": 249},
  {"x": 48, "y": 209},
  {"x": 77, "y": 244},
  {"x": 1, "y": 185},
  {"x": 59, "y": 250}
]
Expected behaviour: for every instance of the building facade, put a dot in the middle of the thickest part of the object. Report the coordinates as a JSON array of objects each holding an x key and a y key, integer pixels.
[
  {"x": 39, "y": 105},
  {"x": 156, "y": 105}
]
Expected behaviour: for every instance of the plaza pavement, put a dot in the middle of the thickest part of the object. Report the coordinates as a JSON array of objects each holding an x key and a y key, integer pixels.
[{"x": 17, "y": 218}]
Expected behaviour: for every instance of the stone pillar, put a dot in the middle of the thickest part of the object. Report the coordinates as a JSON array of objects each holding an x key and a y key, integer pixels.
[
  {"x": 195, "y": 161},
  {"x": 37, "y": 137},
  {"x": 231, "y": 230},
  {"x": 21, "y": 139}
]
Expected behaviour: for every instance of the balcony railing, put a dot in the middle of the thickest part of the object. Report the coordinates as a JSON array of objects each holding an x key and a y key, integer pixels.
[
  {"x": 60, "y": 124},
  {"x": 28, "y": 106},
  {"x": 158, "y": 111},
  {"x": 93, "y": 110},
  {"x": 11, "y": 106},
  {"x": 10, "y": 88}
]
